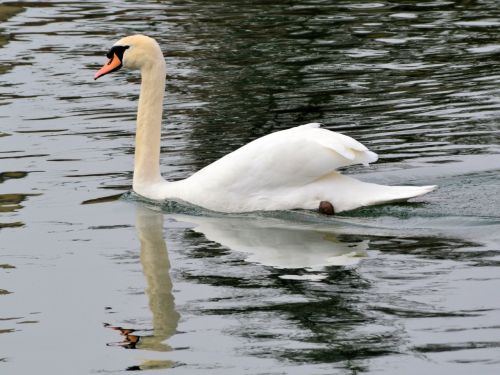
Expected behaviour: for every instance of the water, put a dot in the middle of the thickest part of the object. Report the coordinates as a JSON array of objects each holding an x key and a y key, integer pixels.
[{"x": 112, "y": 285}]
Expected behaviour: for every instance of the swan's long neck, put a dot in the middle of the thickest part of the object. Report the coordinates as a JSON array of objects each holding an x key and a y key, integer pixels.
[{"x": 148, "y": 134}]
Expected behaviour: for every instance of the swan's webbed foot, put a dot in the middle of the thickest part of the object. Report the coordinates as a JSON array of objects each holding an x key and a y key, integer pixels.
[{"x": 326, "y": 208}]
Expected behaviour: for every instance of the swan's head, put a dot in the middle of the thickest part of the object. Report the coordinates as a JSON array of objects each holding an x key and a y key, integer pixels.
[{"x": 133, "y": 52}]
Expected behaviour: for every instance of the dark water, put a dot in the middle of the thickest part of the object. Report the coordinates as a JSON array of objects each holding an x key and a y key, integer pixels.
[{"x": 401, "y": 289}]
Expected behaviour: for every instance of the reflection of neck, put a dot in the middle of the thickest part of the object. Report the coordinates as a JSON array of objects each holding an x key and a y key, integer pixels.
[
  {"x": 156, "y": 265},
  {"x": 149, "y": 114}
]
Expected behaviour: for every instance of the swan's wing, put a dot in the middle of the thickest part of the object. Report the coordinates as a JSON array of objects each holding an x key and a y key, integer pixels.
[{"x": 293, "y": 157}]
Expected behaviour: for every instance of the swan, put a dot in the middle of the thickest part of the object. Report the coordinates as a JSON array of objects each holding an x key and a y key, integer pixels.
[{"x": 289, "y": 169}]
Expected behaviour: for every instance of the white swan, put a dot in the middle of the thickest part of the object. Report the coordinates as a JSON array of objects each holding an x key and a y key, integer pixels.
[{"x": 289, "y": 169}]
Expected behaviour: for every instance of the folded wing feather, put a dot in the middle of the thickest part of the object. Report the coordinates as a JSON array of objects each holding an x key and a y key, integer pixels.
[{"x": 292, "y": 157}]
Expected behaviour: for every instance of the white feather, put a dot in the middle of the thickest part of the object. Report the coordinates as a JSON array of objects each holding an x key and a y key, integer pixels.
[{"x": 294, "y": 168}]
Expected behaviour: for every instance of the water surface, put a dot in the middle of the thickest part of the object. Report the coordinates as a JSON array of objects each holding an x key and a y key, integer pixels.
[{"x": 95, "y": 284}]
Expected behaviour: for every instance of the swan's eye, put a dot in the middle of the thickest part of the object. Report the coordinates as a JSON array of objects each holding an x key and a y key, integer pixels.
[{"x": 118, "y": 51}]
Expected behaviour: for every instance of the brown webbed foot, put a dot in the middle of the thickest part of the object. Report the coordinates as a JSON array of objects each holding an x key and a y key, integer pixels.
[{"x": 326, "y": 208}]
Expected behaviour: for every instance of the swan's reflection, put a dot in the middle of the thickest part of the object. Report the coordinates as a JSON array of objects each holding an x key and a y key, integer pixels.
[
  {"x": 156, "y": 266},
  {"x": 333, "y": 314},
  {"x": 272, "y": 242},
  {"x": 279, "y": 243}
]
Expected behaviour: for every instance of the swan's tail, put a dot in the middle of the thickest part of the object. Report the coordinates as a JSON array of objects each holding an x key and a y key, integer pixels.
[{"x": 347, "y": 193}]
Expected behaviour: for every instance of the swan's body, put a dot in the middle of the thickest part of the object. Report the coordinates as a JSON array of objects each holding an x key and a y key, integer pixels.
[{"x": 289, "y": 169}]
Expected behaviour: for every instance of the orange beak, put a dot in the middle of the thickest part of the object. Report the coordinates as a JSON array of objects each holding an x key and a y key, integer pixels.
[{"x": 113, "y": 64}]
